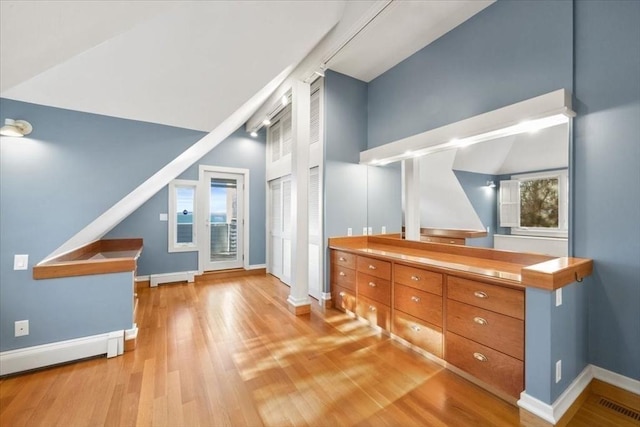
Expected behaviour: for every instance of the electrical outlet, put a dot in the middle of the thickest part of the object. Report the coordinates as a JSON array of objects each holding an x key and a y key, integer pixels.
[
  {"x": 488, "y": 229},
  {"x": 21, "y": 262},
  {"x": 370, "y": 231},
  {"x": 558, "y": 371},
  {"x": 349, "y": 231},
  {"x": 364, "y": 231},
  {"x": 21, "y": 328},
  {"x": 384, "y": 230}
]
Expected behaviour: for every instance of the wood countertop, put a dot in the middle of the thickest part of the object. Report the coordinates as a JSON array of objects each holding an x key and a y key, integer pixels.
[
  {"x": 512, "y": 269},
  {"x": 99, "y": 257}
]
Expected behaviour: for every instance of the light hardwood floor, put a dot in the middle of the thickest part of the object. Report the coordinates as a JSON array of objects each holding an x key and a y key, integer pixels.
[{"x": 227, "y": 352}]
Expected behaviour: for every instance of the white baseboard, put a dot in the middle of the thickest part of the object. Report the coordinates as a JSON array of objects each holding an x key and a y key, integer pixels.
[
  {"x": 39, "y": 356},
  {"x": 142, "y": 278},
  {"x": 552, "y": 413},
  {"x": 257, "y": 266},
  {"x": 620, "y": 381},
  {"x": 325, "y": 296},
  {"x": 182, "y": 276}
]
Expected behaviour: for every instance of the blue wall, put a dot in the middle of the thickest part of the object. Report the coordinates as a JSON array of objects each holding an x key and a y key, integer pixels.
[
  {"x": 345, "y": 180},
  {"x": 607, "y": 177},
  {"x": 483, "y": 200},
  {"x": 238, "y": 151},
  {"x": 53, "y": 183},
  {"x": 511, "y": 51},
  {"x": 507, "y": 53}
]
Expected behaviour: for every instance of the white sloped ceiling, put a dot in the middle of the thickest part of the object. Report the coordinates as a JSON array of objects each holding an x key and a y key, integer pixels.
[{"x": 185, "y": 64}]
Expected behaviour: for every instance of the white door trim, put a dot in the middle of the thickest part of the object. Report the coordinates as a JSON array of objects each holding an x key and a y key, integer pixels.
[{"x": 201, "y": 200}]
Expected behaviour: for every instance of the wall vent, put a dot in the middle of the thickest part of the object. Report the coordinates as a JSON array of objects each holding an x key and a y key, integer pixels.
[{"x": 634, "y": 415}]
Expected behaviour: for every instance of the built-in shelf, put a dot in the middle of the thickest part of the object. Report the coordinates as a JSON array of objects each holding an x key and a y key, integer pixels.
[{"x": 99, "y": 257}]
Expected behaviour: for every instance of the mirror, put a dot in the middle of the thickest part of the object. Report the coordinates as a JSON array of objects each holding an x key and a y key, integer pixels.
[{"x": 454, "y": 190}]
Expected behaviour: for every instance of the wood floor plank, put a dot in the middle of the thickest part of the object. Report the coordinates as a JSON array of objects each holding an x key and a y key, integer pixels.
[{"x": 227, "y": 352}]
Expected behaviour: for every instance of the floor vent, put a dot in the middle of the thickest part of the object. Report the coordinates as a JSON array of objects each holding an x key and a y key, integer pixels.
[{"x": 635, "y": 415}]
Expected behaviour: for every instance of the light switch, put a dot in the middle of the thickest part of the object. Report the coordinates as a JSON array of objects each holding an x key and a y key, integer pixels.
[
  {"x": 384, "y": 230},
  {"x": 349, "y": 231},
  {"x": 21, "y": 262},
  {"x": 370, "y": 231},
  {"x": 164, "y": 217}
]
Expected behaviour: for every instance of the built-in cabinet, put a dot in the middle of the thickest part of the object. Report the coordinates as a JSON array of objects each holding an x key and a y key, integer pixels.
[{"x": 475, "y": 326}]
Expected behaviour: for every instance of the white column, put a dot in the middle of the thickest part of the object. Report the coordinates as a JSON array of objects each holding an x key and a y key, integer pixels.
[
  {"x": 299, "y": 301},
  {"x": 411, "y": 169}
]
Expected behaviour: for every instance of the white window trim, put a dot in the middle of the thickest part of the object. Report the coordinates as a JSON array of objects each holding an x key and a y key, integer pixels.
[
  {"x": 173, "y": 246},
  {"x": 563, "y": 213}
]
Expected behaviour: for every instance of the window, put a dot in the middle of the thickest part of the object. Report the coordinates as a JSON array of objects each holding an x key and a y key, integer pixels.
[
  {"x": 535, "y": 204},
  {"x": 182, "y": 215}
]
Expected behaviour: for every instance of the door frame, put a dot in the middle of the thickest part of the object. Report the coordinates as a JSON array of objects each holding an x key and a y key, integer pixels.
[{"x": 203, "y": 200}]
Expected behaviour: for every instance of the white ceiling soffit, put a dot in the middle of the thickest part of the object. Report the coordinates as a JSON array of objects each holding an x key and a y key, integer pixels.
[
  {"x": 403, "y": 28},
  {"x": 190, "y": 66}
]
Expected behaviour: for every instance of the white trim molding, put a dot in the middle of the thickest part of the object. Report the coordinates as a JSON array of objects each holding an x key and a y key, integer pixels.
[
  {"x": 554, "y": 412},
  {"x": 257, "y": 266},
  {"x": 40, "y": 356}
]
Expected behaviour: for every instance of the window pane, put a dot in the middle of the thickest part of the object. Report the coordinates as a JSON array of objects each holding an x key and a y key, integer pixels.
[
  {"x": 539, "y": 203},
  {"x": 185, "y": 197}
]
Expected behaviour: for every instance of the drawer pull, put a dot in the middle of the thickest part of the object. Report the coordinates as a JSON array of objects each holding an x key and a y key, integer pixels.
[
  {"x": 481, "y": 294},
  {"x": 373, "y": 285},
  {"x": 480, "y": 357},
  {"x": 415, "y": 299},
  {"x": 415, "y": 278},
  {"x": 415, "y": 328},
  {"x": 342, "y": 274},
  {"x": 372, "y": 267},
  {"x": 342, "y": 294},
  {"x": 480, "y": 320},
  {"x": 342, "y": 258},
  {"x": 452, "y": 241},
  {"x": 372, "y": 308}
]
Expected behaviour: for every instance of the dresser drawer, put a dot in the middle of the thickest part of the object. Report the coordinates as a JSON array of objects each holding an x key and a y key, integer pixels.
[
  {"x": 500, "y": 332},
  {"x": 375, "y": 288},
  {"x": 342, "y": 276},
  {"x": 418, "y": 332},
  {"x": 486, "y": 364},
  {"x": 343, "y": 259},
  {"x": 418, "y": 278},
  {"x": 343, "y": 299},
  {"x": 490, "y": 297},
  {"x": 420, "y": 304},
  {"x": 374, "y": 312},
  {"x": 374, "y": 267}
]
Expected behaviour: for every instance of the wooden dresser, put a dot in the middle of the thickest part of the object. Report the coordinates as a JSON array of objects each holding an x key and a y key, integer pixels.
[{"x": 465, "y": 306}]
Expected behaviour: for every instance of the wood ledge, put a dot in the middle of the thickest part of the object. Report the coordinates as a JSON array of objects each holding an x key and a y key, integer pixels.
[
  {"x": 99, "y": 257},
  {"x": 500, "y": 267}
]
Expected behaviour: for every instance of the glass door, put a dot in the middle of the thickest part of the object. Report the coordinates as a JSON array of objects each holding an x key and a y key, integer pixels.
[{"x": 224, "y": 221}]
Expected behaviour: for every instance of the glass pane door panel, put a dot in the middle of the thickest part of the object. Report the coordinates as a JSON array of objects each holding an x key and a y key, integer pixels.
[{"x": 223, "y": 219}]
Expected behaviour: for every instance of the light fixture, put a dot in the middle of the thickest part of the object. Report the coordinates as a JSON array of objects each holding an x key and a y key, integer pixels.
[
  {"x": 320, "y": 71},
  {"x": 266, "y": 122},
  {"x": 254, "y": 133},
  {"x": 491, "y": 184},
  {"x": 16, "y": 128}
]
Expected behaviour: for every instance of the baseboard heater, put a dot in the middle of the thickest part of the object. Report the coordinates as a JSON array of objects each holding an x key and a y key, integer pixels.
[{"x": 158, "y": 279}]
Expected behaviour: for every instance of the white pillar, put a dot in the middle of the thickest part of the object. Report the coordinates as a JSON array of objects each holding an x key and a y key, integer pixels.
[
  {"x": 411, "y": 169},
  {"x": 299, "y": 301}
]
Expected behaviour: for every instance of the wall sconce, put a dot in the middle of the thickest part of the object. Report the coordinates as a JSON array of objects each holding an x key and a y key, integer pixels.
[
  {"x": 16, "y": 128},
  {"x": 491, "y": 184}
]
